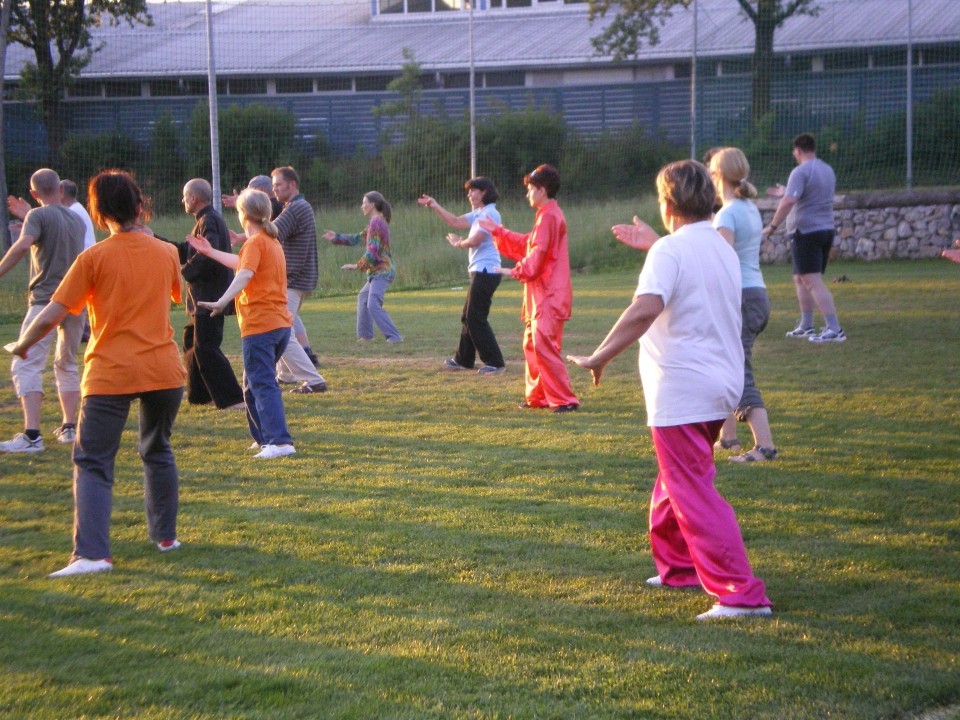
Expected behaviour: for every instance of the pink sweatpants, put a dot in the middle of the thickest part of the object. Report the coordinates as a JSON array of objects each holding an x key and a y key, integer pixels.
[
  {"x": 547, "y": 381},
  {"x": 694, "y": 533}
]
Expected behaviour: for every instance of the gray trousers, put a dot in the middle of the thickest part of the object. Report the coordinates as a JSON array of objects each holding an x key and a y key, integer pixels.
[
  {"x": 755, "y": 308},
  {"x": 370, "y": 310},
  {"x": 295, "y": 366},
  {"x": 102, "y": 418}
]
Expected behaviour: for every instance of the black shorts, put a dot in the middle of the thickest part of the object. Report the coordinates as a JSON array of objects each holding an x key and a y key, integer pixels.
[{"x": 810, "y": 251}]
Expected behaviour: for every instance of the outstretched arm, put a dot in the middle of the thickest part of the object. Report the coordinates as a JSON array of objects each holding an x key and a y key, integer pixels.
[
  {"x": 630, "y": 327},
  {"x": 454, "y": 221},
  {"x": 240, "y": 281},
  {"x": 49, "y": 318},
  {"x": 203, "y": 246}
]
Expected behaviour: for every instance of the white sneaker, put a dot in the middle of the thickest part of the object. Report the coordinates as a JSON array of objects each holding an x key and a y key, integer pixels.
[
  {"x": 65, "y": 435},
  {"x": 828, "y": 335},
  {"x": 83, "y": 566},
  {"x": 22, "y": 444},
  {"x": 269, "y": 452},
  {"x": 655, "y": 581},
  {"x": 168, "y": 545},
  {"x": 726, "y": 612}
]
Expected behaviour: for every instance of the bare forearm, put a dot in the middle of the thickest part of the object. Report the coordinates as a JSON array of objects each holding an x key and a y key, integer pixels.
[
  {"x": 47, "y": 320},
  {"x": 630, "y": 327}
]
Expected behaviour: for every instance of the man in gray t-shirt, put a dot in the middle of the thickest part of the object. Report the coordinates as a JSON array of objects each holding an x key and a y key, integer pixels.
[
  {"x": 809, "y": 193},
  {"x": 53, "y": 237}
]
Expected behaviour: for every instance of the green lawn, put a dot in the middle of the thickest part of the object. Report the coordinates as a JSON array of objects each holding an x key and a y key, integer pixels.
[{"x": 432, "y": 551}]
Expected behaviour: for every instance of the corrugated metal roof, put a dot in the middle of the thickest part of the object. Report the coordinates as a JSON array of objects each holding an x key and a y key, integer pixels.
[{"x": 340, "y": 37}]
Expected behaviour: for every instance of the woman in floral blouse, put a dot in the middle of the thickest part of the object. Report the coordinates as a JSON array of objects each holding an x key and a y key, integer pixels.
[{"x": 377, "y": 262}]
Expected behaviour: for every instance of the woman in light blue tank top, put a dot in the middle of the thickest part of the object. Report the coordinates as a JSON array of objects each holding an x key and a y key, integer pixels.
[{"x": 738, "y": 221}]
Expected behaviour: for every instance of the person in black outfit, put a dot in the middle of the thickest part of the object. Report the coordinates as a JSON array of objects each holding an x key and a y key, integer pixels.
[{"x": 210, "y": 377}]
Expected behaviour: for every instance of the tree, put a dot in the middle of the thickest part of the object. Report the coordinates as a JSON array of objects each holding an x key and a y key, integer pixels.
[
  {"x": 58, "y": 32},
  {"x": 637, "y": 20}
]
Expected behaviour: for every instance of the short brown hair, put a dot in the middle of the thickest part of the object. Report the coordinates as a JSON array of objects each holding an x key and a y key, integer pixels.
[
  {"x": 113, "y": 195},
  {"x": 687, "y": 186},
  {"x": 287, "y": 173},
  {"x": 804, "y": 142},
  {"x": 546, "y": 177}
]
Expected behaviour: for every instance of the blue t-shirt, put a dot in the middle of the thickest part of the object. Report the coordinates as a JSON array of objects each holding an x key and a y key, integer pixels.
[
  {"x": 813, "y": 184},
  {"x": 742, "y": 218},
  {"x": 484, "y": 256}
]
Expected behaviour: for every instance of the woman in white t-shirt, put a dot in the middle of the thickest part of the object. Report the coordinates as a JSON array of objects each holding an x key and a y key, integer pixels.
[
  {"x": 739, "y": 222},
  {"x": 686, "y": 314}
]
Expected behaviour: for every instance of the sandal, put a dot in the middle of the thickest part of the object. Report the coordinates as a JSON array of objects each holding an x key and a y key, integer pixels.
[
  {"x": 758, "y": 454},
  {"x": 732, "y": 444}
]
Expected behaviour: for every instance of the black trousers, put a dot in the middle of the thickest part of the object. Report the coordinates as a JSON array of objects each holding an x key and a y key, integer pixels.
[
  {"x": 209, "y": 373},
  {"x": 476, "y": 335}
]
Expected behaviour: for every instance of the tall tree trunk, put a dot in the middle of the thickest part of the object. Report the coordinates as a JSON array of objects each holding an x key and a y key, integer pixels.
[
  {"x": 5, "y": 6},
  {"x": 765, "y": 24}
]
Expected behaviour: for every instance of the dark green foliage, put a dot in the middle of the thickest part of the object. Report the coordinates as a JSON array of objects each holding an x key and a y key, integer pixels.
[
  {"x": 254, "y": 139},
  {"x": 513, "y": 143},
  {"x": 615, "y": 163},
  {"x": 165, "y": 171},
  {"x": 86, "y": 155}
]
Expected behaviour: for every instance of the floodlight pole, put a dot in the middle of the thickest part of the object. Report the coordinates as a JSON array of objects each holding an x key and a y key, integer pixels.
[
  {"x": 909, "y": 94},
  {"x": 212, "y": 102},
  {"x": 473, "y": 105},
  {"x": 693, "y": 87}
]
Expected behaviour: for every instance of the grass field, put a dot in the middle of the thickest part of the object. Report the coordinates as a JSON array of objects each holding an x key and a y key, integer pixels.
[{"x": 432, "y": 551}]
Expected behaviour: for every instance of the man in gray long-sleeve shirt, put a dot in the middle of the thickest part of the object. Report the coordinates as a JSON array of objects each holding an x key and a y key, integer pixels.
[{"x": 297, "y": 229}]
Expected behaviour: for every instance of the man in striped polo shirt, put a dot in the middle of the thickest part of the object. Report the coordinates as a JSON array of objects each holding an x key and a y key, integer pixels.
[{"x": 297, "y": 228}]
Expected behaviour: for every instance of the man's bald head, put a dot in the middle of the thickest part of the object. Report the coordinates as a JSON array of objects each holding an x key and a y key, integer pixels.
[{"x": 45, "y": 184}]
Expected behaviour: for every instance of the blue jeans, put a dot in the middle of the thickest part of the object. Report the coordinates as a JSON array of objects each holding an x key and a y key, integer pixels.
[
  {"x": 265, "y": 415},
  {"x": 102, "y": 418}
]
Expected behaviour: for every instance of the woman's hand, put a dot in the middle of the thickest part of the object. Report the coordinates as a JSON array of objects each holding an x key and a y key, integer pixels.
[
  {"x": 588, "y": 363},
  {"x": 329, "y": 235},
  {"x": 427, "y": 201},
  {"x": 638, "y": 236},
  {"x": 14, "y": 349},
  {"x": 349, "y": 266},
  {"x": 215, "y": 308},
  {"x": 454, "y": 239},
  {"x": 200, "y": 244},
  {"x": 487, "y": 224}
]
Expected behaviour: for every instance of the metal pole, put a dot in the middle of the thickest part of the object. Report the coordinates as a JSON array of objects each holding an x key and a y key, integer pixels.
[
  {"x": 473, "y": 105},
  {"x": 693, "y": 87},
  {"x": 910, "y": 95},
  {"x": 212, "y": 102}
]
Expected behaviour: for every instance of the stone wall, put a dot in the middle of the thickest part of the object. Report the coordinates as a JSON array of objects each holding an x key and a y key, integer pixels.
[{"x": 880, "y": 226}]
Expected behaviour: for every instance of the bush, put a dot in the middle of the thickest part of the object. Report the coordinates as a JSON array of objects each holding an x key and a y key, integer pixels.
[
  {"x": 254, "y": 139},
  {"x": 83, "y": 156}
]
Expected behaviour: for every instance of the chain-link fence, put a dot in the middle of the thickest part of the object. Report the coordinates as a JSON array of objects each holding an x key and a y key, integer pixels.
[{"x": 359, "y": 95}]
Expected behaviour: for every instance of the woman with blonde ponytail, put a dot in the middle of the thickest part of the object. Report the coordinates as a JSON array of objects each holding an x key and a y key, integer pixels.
[
  {"x": 260, "y": 289},
  {"x": 739, "y": 222}
]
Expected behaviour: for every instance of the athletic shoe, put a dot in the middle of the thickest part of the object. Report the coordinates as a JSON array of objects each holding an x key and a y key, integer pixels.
[
  {"x": 22, "y": 444},
  {"x": 393, "y": 340},
  {"x": 168, "y": 545},
  {"x": 451, "y": 364},
  {"x": 268, "y": 452},
  {"x": 801, "y": 332},
  {"x": 308, "y": 389},
  {"x": 727, "y": 612},
  {"x": 655, "y": 581},
  {"x": 490, "y": 370},
  {"x": 83, "y": 566},
  {"x": 566, "y": 408},
  {"x": 829, "y": 335},
  {"x": 66, "y": 434}
]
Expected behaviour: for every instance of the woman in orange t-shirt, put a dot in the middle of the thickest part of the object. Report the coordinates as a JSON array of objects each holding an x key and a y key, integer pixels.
[
  {"x": 126, "y": 282},
  {"x": 260, "y": 287}
]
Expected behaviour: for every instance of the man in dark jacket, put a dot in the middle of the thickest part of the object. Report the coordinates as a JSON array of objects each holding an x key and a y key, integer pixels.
[{"x": 209, "y": 374}]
